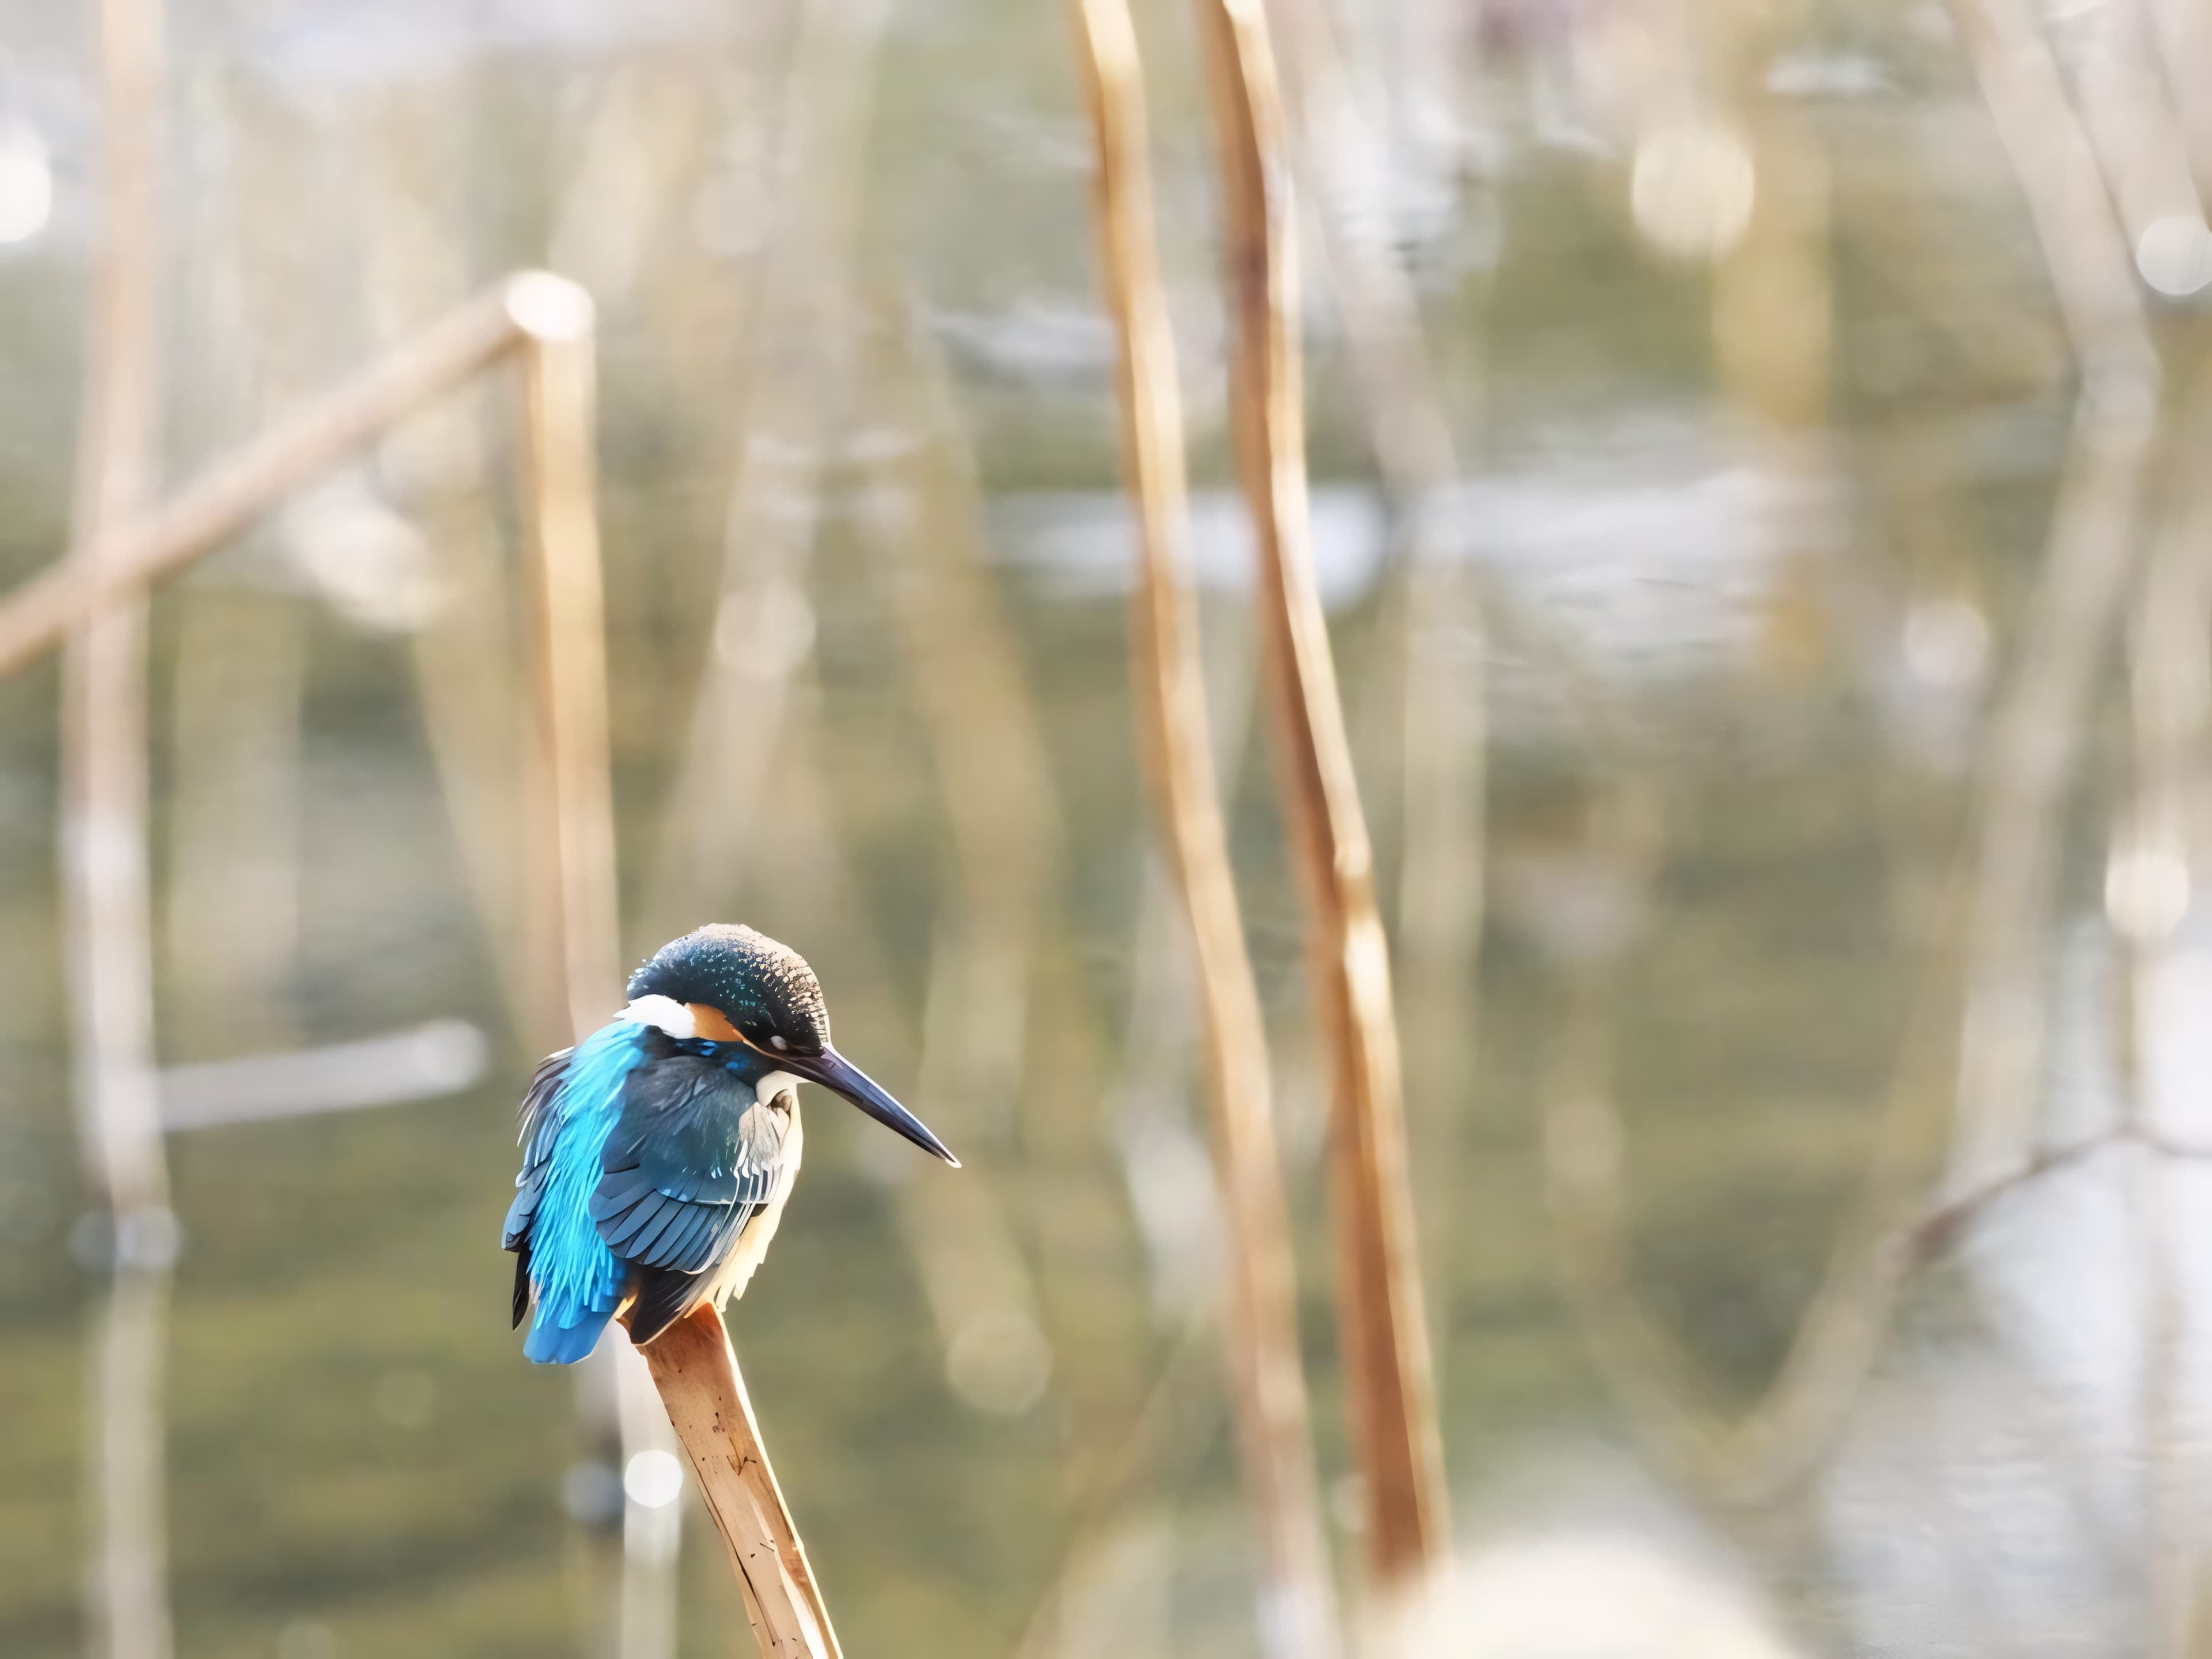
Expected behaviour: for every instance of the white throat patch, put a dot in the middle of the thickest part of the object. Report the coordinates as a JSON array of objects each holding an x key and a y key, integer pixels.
[
  {"x": 775, "y": 1083},
  {"x": 665, "y": 1013}
]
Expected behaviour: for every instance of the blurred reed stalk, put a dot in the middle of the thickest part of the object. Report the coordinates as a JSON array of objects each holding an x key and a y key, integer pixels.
[
  {"x": 2037, "y": 732},
  {"x": 1298, "y": 1600},
  {"x": 106, "y": 879},
  {"x": 2138, "y": 138},
  {"x": 695, "y": 1370},
  {"x": 577, "y": 895},
  {"x": 230, "y": 495},
  {"x": 232, "y": 900},
  {"x": 2155, "y": 872},
  {"x": 967, "y": 1256},
  {"x": 965, "y": 1250},
  {"x": 467, "y": 650},
  {"x": 1743, "y": 1459},
  {"x": 1010, "y": 1040},
  {"x": 230, "y": 897},
  {"x": 801, "y": 326},
  {"x": 1384, "y": 1330}
]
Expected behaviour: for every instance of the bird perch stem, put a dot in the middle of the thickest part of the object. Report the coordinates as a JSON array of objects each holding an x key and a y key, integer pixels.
[{"x": 695, "y": 1370}]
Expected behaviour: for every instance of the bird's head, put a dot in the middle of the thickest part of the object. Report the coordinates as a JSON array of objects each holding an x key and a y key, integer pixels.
[{"x": 730, "y": 984}]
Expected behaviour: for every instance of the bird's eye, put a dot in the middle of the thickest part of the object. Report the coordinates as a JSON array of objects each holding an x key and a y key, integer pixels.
[{"x": 778, "y": 1044}]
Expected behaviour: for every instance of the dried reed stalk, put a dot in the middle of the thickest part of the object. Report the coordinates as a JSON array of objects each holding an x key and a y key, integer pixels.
[
  {"x": 232, "y": 905},
  {"x": 470, "y": 656},
  {"x": 1384, "y": 1331},
  {"x": 571, "y": 667},
  {"x": 1269, "y": 1382},
  {"x": 233, "y": 492},
  {"x": 106, "y": 876},
  {"x": 1441, "y": 700},
  {"x": 2163, "y": 830},
  {"x": 2039, "y": 724},
  {"x": 697, "y": 1372}
]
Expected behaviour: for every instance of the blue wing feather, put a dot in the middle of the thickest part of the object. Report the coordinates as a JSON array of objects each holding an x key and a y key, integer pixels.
[
  {"x": 573, "y": 1103},
  {"x": 677, "y": 1184}
]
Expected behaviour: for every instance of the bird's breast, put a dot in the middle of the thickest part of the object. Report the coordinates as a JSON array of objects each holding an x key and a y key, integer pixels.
[
  {"x": 768, "y": 1132},
  {"x": 777, "y": 1113}
]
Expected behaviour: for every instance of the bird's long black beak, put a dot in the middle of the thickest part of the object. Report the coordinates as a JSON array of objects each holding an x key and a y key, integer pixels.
[{"x": 833, "y": 1071}]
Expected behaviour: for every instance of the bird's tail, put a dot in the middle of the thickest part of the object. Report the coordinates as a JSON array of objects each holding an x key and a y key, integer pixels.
[{"x": 550, "y": 1343}]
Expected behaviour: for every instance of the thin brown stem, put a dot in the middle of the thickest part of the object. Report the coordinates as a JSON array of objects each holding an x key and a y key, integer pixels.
[
  {"x": 1384, "y": 1330},
  {"x": 1260, "y": 1327}
]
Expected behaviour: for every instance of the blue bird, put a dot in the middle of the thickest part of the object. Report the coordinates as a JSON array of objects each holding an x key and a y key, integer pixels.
[{"x": 657, "y": 1152}]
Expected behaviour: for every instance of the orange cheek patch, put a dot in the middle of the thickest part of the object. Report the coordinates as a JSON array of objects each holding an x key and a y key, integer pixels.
[{"x": 709, "y": 1022}]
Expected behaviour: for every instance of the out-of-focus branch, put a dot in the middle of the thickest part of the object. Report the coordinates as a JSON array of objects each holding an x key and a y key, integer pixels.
[
  {"x": 1003, "y": 990},
  {"x": 235, "y": 491},
  {"x": 570, "y": 635},
  {"x": 2083, "y": 246},
  {"x": 2136, "y": 137},
  {"x": 2036, "y": 734},
  {"x": 1168, "y": 1426},
  {"x": 1938, "y": 1230},
  {"x": 2183, "y": 30},
  {"x": 470, "y": 656},
  {"x": 1747, "y": 1457},
  {"x": 1384, "y": 1328},
  {"x": 1407, "y": 426},
  {"x": 106, "y": 879},
  {"x": 983, "y": 1295},
  {"x": 1261, "y": 1323},
  {"x": 104, "y": 827},
  {"x": 802, "y": 327},
  {"x": 2154, "y": 866},
  {"x": 232, "y": 910},
  {"x": 439, "y": 1057}
]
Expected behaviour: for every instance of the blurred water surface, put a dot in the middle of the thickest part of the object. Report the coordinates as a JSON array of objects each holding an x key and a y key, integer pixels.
[{"x": 1681, "y": 718}]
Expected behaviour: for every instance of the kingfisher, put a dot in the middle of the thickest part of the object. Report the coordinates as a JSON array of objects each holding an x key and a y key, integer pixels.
[{"x": 657, "y": 1152}]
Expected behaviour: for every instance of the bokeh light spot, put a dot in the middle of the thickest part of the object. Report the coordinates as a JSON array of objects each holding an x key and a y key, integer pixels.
[
  {"x": 2174, "y": 254},
  {"x": 1692, "y": 189},
  {"x": 653, "y": 1479},
  {"x": 26, "y": 187}
]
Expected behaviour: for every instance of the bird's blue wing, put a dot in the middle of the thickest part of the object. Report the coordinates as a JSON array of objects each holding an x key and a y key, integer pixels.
[
  {"x": 541, "y": 1122},
  {"x": 573, "y": 1103},
  {"x": 681, "y": 1172}
]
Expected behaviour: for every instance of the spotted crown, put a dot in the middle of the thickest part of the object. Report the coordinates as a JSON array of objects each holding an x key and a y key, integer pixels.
[{"x": 765, "y": 987}]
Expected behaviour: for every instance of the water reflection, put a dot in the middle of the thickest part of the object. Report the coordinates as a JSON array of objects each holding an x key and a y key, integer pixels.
[{"x": 1823, "y": 717}]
